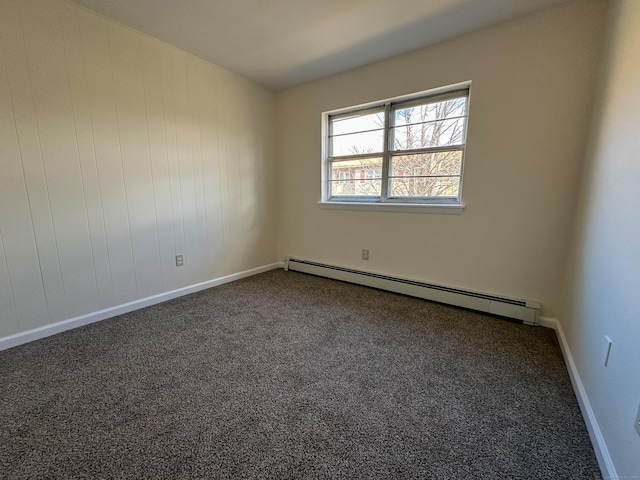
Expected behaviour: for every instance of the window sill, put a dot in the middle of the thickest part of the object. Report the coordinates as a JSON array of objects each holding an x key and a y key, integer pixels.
[{"x": 395, "y": 207}]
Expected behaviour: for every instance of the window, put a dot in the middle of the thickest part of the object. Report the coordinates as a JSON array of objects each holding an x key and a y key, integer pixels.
[{"x": 404, "y": 151}]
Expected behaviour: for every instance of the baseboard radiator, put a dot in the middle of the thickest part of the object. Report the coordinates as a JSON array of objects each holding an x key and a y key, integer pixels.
[{"x": 517, "y": 309}]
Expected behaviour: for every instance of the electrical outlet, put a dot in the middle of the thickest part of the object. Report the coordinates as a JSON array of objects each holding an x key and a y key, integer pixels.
[
  {"x": 179, "y": 260},
  {"x": 637, "y": 425},
  {"x": 608, "y": 344},
  {"x": 365, "y": 254}
]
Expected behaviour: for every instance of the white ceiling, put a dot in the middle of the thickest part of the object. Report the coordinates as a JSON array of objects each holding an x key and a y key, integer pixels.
[{"x": 281, "y": 43}]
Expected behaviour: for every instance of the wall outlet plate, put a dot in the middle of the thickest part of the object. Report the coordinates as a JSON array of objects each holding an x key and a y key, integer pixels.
[{"x": 637, "y": 425}]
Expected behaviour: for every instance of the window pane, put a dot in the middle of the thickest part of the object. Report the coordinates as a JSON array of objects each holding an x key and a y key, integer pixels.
[
  {"x": 426, "y": 164},
  {"x": 357, "y": 143},
  {"x": 360, "y": 188},
  {"x": 357, "y": 123},
  {"x": 361, "y": 168},
  {"x": 424, "y": 186},
  {"x": 456, "y": 107},
  {"x": 357, "y": 177},
  {"x": 432, "y": 134}
]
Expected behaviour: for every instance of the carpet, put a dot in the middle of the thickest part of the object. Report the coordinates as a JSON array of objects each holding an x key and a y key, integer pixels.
[{"x": 286, "y": 375}]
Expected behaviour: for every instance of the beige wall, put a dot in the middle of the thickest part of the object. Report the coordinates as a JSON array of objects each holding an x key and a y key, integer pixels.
[
  {"x": 118, "y": 152},
  {"x": 533, "y": 82},
  {"x": 603, "y": 278}
]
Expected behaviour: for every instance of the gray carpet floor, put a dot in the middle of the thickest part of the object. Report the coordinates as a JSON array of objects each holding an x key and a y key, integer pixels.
[{"x": 285, "y": 375}]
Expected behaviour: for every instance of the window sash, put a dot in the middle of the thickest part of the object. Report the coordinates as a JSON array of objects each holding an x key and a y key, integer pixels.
[{"x": 389, "y": 108}]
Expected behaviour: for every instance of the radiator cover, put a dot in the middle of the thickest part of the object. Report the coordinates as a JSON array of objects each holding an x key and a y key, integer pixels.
[{"x": 518, "y": 309}]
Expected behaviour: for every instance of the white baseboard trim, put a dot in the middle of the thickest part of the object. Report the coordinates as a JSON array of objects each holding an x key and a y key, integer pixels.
[
  {"x": 58, "y": 327},
  {"x": 599, "y": 445}
]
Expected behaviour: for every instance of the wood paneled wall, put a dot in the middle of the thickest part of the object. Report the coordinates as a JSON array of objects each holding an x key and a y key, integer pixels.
[{"x": 118, "y": 152}]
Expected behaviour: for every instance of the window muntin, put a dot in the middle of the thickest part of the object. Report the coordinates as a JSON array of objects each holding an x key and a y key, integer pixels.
[{"x": 403, "y": 151}]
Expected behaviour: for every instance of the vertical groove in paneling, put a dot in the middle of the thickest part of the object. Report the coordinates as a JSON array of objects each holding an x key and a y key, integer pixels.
[
  {"x": 83, "y": 180},
  {"x": 210, "y": 166},
  {"x": 224, "y": 177},
  {"x": 127, "y": 213},
  {"x": 198, "y": 99},
  {"x": 21, "y": 92},
  {"x": 184, "y": 126},
  {"x": 154, "y": 176},
  {"x": 98, "y": 74},
  {"x": 196, "y": 165},
  {"x": 119, "y": 152},
  {"x": 220, "y": 182},
  {"x": 172, "y": 154},
  {"x": 56, "y": 132},
  {"x": 86, "y": 154},
  {"x": 245, "y": 179},
  {"x": 158, "y": 148},
  {"x": 53, "y": 252},
  {"x": 204, "y": 111},
  {"x": 134, "y": 144},
  {"x": 216, "y": 182},
  {"x": 8, "y": 315},
  {"x": 233, "y": 171},
  {"x": 21, "y": 261}
]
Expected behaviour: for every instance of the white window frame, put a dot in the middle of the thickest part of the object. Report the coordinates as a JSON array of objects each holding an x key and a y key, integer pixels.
[{"x": 384, "y": 202}]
